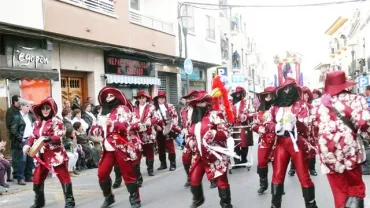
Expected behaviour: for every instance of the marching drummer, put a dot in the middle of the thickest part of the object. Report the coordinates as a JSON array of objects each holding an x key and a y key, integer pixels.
[
  {"x": 266, "y": 138},
  {"x": 243, "y": 112}
]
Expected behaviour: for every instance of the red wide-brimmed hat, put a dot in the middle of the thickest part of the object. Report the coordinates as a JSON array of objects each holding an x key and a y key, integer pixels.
[
  {"x": 290, "y": 81},
  {"x": 268, "y": 90},
  {"x": 316, "y": 91},
  {"x": 239, "y": 89},
  {"x": 192, "y": 93},
  {"x": 160, "y": 94},
  {"x": 202, "y": 95},
  {"x": 102, "y": 96},
  {"x": 308, "y": 91},
  {"x": 142, "y": 93},
  {"x": 48, "y": 101},
  {"x": 336, "y": 82}
]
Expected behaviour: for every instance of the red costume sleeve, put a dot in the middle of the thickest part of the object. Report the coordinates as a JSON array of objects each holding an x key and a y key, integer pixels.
[{"x": 58, "y": 129}]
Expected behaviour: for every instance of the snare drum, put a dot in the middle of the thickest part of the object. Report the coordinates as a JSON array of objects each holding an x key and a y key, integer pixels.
[{"x": 36, "y": 147}]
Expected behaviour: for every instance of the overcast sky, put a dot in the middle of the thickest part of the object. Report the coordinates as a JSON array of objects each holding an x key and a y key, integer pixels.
[{"x": 296, "y": 29}]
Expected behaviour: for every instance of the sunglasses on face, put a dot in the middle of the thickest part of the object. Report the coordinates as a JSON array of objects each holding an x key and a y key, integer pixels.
[
  {"x": 141, "y": 98},
  {"x": 45, "y": 108}
]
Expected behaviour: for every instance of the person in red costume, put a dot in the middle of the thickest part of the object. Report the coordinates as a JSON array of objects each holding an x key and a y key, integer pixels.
[
  {"x": 289, "y": 119},
  {"x": 144, "y": 113},
  {"x": 185, "y": 116},
  {"x": 117, "y": 145},
  {"x": 207, "y": 135},
  {"x": 340, "y": 150},
  {"x": 52, "y": 156},
  {"x": 266, "y": 138},
  {"x": 308, "y": 98},
  {"x": 167, "y": 115}
]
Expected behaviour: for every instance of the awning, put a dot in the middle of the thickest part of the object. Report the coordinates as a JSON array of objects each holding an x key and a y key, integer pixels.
[
  {"x": 20, "y": 73},
  {"x": 123, "y": 79}
]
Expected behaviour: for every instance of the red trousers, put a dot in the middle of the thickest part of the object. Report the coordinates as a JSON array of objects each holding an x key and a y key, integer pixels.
[
  {"x": 164, "y": 144},
  {"x": 107, "y": 162},
  {"x": 348, "y": 183},
  {"x": 262, "y": 157},
  {"x": 283, "y": 151},
  {"x": 41, "y": 172},
  {"x": 186, "y": 158},
  {"x": 148, "y": 151},
  {"x": 198, "y": 172}
]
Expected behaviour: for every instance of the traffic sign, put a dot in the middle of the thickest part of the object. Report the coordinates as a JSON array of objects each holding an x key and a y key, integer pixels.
[
  {"x": 363, "y": 81},
  {"x": 222, "y": 71},
  {"x": 188, "y": 66}
]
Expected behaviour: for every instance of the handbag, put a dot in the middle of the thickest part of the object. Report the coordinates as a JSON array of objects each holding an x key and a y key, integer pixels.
[{"x": 361, "y": 141}]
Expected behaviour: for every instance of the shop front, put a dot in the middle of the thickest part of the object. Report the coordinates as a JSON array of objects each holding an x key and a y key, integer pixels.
[
  {"x": 25, "y": 68},
  {"x": 197, "y": 80},
  {"x": 130, "y": 73}
]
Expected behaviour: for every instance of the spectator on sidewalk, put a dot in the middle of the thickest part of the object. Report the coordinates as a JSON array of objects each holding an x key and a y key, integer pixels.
[
  {"x": 21, "y": 129},
  {"x": 70, "y": 142},
  {"x": 4, "y": 167}
]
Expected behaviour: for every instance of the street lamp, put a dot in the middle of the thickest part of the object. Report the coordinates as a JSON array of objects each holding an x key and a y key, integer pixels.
[{"x": 184, "y": 21}]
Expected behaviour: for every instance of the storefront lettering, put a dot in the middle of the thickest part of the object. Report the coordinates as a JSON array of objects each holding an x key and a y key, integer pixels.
[
  {"x": 128, "y": 67},
  {"x": 28, "y": 58}
]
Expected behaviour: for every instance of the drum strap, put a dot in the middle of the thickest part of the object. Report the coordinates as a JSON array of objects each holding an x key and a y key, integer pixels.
[{"x": 45, "y": 165}]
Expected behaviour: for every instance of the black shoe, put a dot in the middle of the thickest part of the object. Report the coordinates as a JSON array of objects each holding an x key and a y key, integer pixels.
[
  {"x": 187, "y": 184},
  {"x": 277, "y": 191},
  {"x": 107, "y": 192},
  {"x": 213, "y": 184},
  {"x": 162, "y": 158},
  {"x": 134, "y": 198},
  {"x": 313, "y": 172},
  {"x": 150, "y": 168},
  {"x": 39, "y": 196},
  {"x": 172, "y": 158},
  {"x": 162, "y": 167},
  {"x": 68, "y": 195},
  {"x": 225, "y": 197},
  {"x": 291, "y": 172},
  {"x": 355, "y": 202},
  {"x": 186, "y": 168},
  {"x": 5, "y": 185},
  {"x": 198, "y": 197},
  {"x": 118, "y": 179},
  {"x": 309, "y": 197}
]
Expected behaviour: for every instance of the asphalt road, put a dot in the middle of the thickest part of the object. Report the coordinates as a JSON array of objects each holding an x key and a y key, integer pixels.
[{"x": 166, "y": 190}]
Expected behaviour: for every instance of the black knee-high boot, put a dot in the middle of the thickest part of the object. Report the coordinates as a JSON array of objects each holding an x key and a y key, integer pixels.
[
  {"x": 139, "y": 177},
  {"x": 277, "y": 191},
  {"x": 162, "y": 158},
  {"x": 311, "y": 166},
  {"x": 150, "y": 167},
  {"x": 262, "y": 172},
  {"x": 225, "y": 197},
  {"x": 39, "y": 196},
  {"x": 68, "y": 195},
  {"x": 244, "y": 154},
  {"x": 107, "y": 192},
  {"x": 198, "y": 197},
  {"x": 134, "y": 198},
  {"x": 309, "y": 197},
  {"x": 118, "y": 179},
  {"x": 355, "y": 202},
  {"x": 172, "y": 159}
]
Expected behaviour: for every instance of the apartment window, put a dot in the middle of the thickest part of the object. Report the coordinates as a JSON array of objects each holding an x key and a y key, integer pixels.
[
  {"x": 102, "y": 6},
  {"x": 241, "y": 24},
  {"x": 245, "y": 29},
  {"x": 211, "y": 32},
  {"x": 188, "y": 10},
  {"x": 135, "y": 4}
]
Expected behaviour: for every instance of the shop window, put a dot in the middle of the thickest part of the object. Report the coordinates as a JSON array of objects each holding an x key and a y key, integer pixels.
[{"x": 29, "y": 87}]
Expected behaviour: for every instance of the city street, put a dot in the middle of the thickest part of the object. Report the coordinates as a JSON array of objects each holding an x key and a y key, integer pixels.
[{"x": 166, "y": 189}]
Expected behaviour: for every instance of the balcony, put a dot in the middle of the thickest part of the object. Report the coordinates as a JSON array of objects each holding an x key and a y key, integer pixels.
[
  {"x": 151, "y": 23},
  {"x": 100, "y": 6}
]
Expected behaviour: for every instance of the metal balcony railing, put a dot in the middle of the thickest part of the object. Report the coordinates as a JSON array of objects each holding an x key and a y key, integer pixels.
[
  {"x": 104, "y": 6},
  {"x": 150, "y": 22}
]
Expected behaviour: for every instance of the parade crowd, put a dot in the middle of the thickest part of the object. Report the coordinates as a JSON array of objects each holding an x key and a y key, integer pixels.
[{"x": 295, "y": 126}]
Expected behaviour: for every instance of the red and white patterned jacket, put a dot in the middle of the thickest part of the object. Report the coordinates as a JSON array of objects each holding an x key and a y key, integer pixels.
[
  {"x": 338, "y": 146},
  {"x": 213, "y": 131},
  {"x": 267, "y": 137},
  {"x": 147, "y": 134},
  {"x": 170, "y": 114},
  {"x": 53, "y": 153}
]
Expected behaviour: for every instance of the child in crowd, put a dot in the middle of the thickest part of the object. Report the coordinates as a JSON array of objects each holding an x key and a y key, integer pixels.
[{"x": 4, "y": 167}]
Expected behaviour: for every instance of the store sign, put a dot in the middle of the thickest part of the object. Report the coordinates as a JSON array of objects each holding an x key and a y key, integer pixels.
[
  {"x": 33, "y": 58},
  {"x": 193, "y": 76},
  {"x": 117, "y": 65},
  {"x": 238, "y": 78}
]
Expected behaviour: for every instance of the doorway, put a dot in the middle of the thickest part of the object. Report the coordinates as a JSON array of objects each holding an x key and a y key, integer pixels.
[{"x": 74, "y": 86}]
